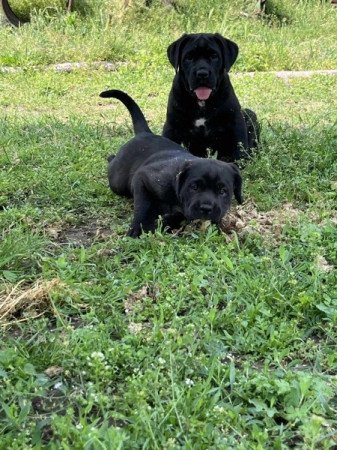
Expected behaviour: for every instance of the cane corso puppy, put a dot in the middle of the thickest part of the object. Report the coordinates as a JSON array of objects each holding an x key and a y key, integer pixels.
[
  {"x": 165, "y": 180},
  {"x": 203, "y": 110}
]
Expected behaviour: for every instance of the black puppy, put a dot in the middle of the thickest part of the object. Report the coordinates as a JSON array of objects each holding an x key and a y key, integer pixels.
[
  {"x": 165, "y": 179},
  {"x": 203, "y": 110}
]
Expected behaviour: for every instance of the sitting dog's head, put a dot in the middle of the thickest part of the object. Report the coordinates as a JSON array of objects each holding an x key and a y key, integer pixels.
[
  {"x": 201, "y": 60},
  {"x": 205, "y": 189}
]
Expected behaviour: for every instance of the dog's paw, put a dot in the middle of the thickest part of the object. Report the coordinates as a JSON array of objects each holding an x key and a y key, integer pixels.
[
  {"x": 134, "y": 232},
  {"x": 173, "y": 222}
]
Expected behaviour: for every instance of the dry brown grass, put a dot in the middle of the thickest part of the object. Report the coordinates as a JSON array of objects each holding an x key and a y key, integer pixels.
[{"x": 19, "y": 303}]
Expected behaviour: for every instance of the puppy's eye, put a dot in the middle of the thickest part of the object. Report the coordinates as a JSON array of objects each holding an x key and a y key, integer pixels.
[
  {"x": 188, "y": 58},
  {"x": 214, "y": 56},
  {"x": 222, "y": 190},
  {"x": 194, "y": 186}
]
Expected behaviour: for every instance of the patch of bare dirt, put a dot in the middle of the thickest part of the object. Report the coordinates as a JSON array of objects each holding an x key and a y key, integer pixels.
[
  {"x": 80, "y": 235},
  {"x": 286, "y": 74},
  {"x": 76, "y": 321},
  {"x": 54, "y": 401},
  {"x": 134, "y": 300},
  {"x": 70, "y": 66},
  {"x": 323, "y": 265},
  {"x": 246, "y": 219},
  {"x": 135, "y": 328}
]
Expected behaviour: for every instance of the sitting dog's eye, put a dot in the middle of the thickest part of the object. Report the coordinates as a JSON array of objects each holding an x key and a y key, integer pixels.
[
  {"x": 194, "y": 186},
  {"x": 188, "y": 58},
  {"x": 214, "y": 56},
  {"x": 222, "y": 190}
]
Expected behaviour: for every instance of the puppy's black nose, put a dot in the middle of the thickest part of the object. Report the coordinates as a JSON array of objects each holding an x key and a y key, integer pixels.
[
  {"x": 202, "y": 74},
  {"x": 206, "y": 208}
]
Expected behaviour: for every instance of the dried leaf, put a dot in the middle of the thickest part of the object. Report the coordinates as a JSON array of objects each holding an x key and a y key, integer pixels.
[{"x": 53, "y": 371}]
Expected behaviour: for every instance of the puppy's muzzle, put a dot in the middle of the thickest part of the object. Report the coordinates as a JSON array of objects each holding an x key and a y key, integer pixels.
[{"x": 206, "y": 211}]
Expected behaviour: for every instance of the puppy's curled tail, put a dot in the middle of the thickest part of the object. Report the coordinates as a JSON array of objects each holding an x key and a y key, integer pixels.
[{"x": 138, "y": 120}]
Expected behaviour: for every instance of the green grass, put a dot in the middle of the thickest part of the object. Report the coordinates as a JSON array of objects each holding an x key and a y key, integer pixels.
[
  {"x": 28, "y": 9},
  {"x": 24, "y": 8},
  {"x": 196, "y": 341},
  {"x": 299, "y": 35}
]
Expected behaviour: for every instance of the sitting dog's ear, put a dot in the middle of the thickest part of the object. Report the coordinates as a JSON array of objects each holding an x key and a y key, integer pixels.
[
  {"x": 174, "y": 51},
  {"x": 237, "y": 183},
  {"x": 229, "y": 50}
]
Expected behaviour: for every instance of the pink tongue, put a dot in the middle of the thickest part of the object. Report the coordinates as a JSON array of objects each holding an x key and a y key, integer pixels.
[{"x": 203, "y": 93}]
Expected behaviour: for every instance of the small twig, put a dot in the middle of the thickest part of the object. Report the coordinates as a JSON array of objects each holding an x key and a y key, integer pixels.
[{"x": 14, "y": 322}]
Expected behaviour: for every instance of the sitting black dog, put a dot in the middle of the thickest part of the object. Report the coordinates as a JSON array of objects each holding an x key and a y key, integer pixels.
[
  {"x": 203, "y": 110},
  {"x": 165, "y": 179}
]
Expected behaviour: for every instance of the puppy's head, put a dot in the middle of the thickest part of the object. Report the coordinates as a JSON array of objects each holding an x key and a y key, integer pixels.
[
  {"x": 201, "y": 60},
  {"x": 205, "y": 189}
]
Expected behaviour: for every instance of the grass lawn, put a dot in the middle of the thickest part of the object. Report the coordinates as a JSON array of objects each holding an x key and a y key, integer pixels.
[{"x": 201, "y": 340}]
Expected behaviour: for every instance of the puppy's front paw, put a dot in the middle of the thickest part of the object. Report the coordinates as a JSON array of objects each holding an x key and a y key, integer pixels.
[
  {"x": 134, "y": 231},
  {"x": 173, "y": 221}
]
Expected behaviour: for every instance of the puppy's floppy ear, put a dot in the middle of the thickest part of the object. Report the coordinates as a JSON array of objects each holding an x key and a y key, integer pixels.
[
  {"x": 229, "y": 50},
  {"x": 181, "y": 177},
  {"x": 174, "y": 51},
  {"x": 237, "y": 183}
]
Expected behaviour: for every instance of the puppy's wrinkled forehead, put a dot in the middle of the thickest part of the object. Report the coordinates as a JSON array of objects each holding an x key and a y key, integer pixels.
[
  {"x": 208, "y": 174},
  {"x": 201, "y": 44}
]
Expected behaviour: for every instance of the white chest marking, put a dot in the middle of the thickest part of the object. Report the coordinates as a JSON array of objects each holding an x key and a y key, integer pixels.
[
  {"x": 200, "y": 122},
  {"x": 201, "y": 103}
]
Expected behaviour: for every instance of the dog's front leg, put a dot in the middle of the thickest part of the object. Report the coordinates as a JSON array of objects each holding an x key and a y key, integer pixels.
[
  {"x": 240, "y": 141},
  {"x": 171, "y": 133},
  {"x": 145, "y": 213}
]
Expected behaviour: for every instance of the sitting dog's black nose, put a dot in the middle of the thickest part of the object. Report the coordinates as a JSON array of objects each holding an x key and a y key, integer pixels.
[
  {"x": 202, "y": 74},
  {"x": 206, "y": 209}
]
